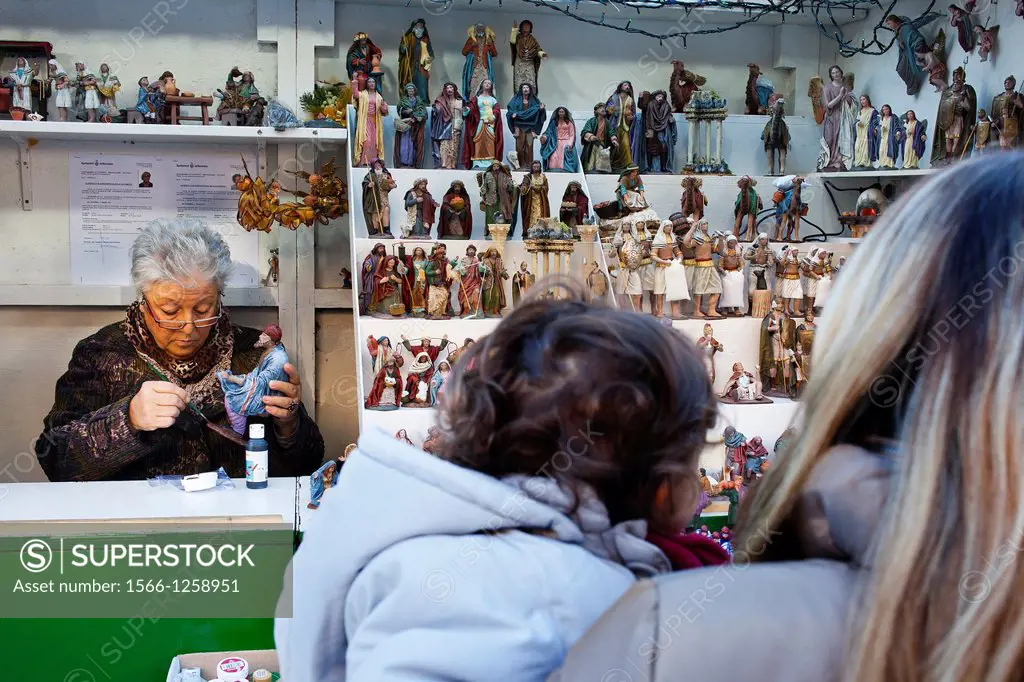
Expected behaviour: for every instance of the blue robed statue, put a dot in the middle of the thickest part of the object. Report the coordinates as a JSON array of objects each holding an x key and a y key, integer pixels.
[{"x": 243, "y": 394}]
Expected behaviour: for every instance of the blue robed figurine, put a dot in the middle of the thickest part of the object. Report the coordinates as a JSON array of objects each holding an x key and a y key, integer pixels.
[
  {"x": 525, "y": 115},
  {"x": 326, "y": 477},
  {"x": 243, "y": 394}
]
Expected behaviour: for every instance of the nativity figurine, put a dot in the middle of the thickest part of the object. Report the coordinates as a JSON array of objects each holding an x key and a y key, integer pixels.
[
  {"x": 748, "y": 204},
  {"x": 388, "y": 282},
  {"x": 410, "y": 128},
  {"x": 533, "y": 196},
  {"x": 1006, "y": 114},
  {"x": 837, "y": 134},
  {"x": 682, "y": 85},
  {"x": 629, "y": 248},
  {"x": 484, "y": 136},
  {"x": 362, "y": 62},
  {"x": 693, "y": 200},
  {"x": 526, "y": 56},
  {"x": 788, "y": 286},
  {"x": 432, "y": 443},
  {"x": 439, "y": 280},
  {"x": 60, "y": 84},
  {"x": 804, "y": 347},
  {"x": 706, "y": 282},
  {"x": 865, "y": 151},
  {"x": 456, "y": 220},
  {"x": 274, "y": 271},
  {"x": 914, "y": 135},
  {"x": 21, "y": 77},
  {"x": 759, "y": 90},
  {"x": 415, "y": 58},
  {"x": 596, "y": 141},
  {"x": 707, "y": 347},
  {"x": 933, "y": 61},
  {"x": 420, "y": 209},
  {"x": 446, "y": 126},
  {"x": 982, "y": 131},
  {"x": 960, "y": 19},
  {"x": 325, "y": 478},
  {"x": 377, "y": 186},
  {"x": 492, "y": 297},
  {"x": 108, "y": 86},
  {"x": 743, "y": 386},
  {"x": 958, "y": 105},
  {"x": 624, "y": 124},
  {"x": 913, "y": 48},
  {"x": 778, "y": 340},
  {"x": 662, "y": 255},
  {"x": 986, "y": 41},
  {"x": 415, "y": 289},
  {"x": 730, "y": 264},
  {"x": 368, "y": 142},
  {"x": 380, "y": 351},
  {"x": 402, "y": 436},
  {"x": 438, "y": 380},
  {"x": 244, "y": 393},
  {"x": 480, "y": 51},
  {"x": 466, "y": 295},
  {"x": 597, "y": 281},
  {"x": 659, "y": 133},
  {"x": 525, "y": 115},
  {"x": 522, "y": 280},
  {"x": 417, "y": 382},
  {"x": 813, "y": 269},
  {"x": 558, "y": 143},
  {"x": 386, "y": 391},
  {"x": 575, "y": 207},
  {"x": 90, "y": 94},
  {"x": 889, "y": 135},
  {"x": 776, "y": 137},
  {"x": 789, "y": 207},
  {"x": 499, "y": 195},
  {"x": 762, "y": 261}
]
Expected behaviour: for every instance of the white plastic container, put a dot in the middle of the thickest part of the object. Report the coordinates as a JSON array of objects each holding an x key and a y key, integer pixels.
[{"x": 233, "y": 669}]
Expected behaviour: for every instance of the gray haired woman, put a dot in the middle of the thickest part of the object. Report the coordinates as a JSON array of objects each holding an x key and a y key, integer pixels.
[{"x": 124, "y": 408}]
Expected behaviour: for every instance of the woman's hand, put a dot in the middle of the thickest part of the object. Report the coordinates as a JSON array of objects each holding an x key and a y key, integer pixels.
[
  {"x": 284, "y": 408},
  {"x": 156, "y": 406}
]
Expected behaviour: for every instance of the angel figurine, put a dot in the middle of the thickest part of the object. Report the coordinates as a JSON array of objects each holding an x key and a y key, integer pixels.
[
  {"x": 243, "y": 394},
  {"x": 912, "y": 46},
  {"x": 933, "y": 61}
]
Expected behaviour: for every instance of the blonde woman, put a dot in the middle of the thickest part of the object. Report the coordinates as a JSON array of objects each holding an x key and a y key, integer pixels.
[{"x": 882, "y": 546}]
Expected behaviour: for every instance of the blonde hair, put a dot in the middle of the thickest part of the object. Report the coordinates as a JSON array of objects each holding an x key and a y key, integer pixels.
[{"x": 936, "y": 288}]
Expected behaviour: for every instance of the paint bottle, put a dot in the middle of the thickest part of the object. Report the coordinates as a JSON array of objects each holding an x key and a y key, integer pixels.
[{"x": 257, "y": 452}]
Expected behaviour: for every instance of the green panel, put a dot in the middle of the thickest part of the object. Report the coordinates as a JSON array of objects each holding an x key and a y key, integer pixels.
[{"x": 111, "y": 650}]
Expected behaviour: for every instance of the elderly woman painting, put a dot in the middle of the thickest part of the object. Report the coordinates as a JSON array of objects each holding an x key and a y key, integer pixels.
[{"x": 122, "y": 410}]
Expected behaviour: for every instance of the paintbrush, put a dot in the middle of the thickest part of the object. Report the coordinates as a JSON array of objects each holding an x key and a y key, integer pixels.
[{"x": 219, "y": 429}]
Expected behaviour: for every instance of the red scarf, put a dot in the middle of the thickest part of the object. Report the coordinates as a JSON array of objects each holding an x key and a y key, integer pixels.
[{"x": 689, "y": 550}]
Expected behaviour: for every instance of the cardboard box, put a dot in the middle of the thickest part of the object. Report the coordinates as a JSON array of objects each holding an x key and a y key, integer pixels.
[{"x": 261, "y": 658}]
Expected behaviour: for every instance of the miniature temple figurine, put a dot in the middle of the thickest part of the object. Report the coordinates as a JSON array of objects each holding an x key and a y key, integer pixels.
[
  {"x": 522, "y": 280},
  {"x": 759, "y": 90},
  {"x": 386, "y": 300},
  {"x": 439, "y": 278},
  {"x": 417, "y": 382},
  {"x": 982, "y": 131},
  {"x": 1006, "y": 114},
  {"x": 957, "y": 112},
  {"x": 480, "y": 50},
  {"x": 484, "y": 139},
  {"x": 244, "y": 393},
  {"x": 366, "y": 276},
  {"x": 778, "y": 339},
  {"x": 836, "y": 132},
  {"x": 986, "y": 41},
  {"x": 526, "y": 56},
  {"x": 912, "y": 45},
  {"x": 776, "y": 136},
  {"x": 659, "y": 133},
  {"x": 456, "y": 215},
  {"x": 386, "y": 392},
  {"x": 625, "y": 128},
  {"x": 742, "y": 387},
  {"x": 762, "y": 260},
  {"x": 368, "y": 145},
  {"x": 914, "y": 136},
  {"x": 466, "y": 290},
  {"x": 362, "y": 61},
  {"x": 787, "y": 281},
  {"x": 322, "y": 480},
  {"x": 596, "y": 140},
  {"x": 493, "y": 287},
  {"x": 414, "y": 290},
  {"x": 420, "y": 209},
  {"x": 805, "y": 343},
  {"x": 410, "y": 127},
  {"x": 866, "y": 147},
  {"x": 933, "y": 61},
  {"x": 558, "y": 143},
  {"x": 789, "y": 207},
  {"x": 747, "y": 206},
  {"x": 498, "y": 196},
  {"x": 377, "y": 185},
  {"x": 960, "y": 19},
  {"x": 889, "y": 136},
  {"x": 575, "y": 207},
  {"x": 274, "y": 272},
  {"x": 533, "y": 197},
  {"x": 437, "y": 381},
  {"x": 21, "y": 77},
  {"x": 730, "y": 263},
  {"x": 525, "y": 115},
  {"x": 446, "y": 125},
  {"x": 108, "y": 86},
  {"x": 415, "y": 57},
  {"x": 61, "y": 86},
  {"x": 682, "y": 85},
  {"x": 630, "y": 250},
  {"x": 707, "y": 346},
  {"x": 693, "y": 200},
  {"x": 706, "y": 283},
  {"x": 380, "y": 352}
]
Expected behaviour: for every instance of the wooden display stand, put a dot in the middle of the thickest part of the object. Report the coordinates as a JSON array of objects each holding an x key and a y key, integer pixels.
[{"x": 175, "y": 102}]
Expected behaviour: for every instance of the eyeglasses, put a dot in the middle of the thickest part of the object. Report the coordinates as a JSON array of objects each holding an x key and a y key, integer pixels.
[{"x": 178, "y": 325}]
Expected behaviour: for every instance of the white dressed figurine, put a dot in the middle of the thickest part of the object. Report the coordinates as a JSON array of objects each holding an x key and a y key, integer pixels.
[
  {"x": 63, "y": 94},
  {"x": 21, "y": 78}
]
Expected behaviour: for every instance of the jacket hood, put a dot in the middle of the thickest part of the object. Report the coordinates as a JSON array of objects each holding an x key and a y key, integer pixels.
[{"x": 389, "y": 492}]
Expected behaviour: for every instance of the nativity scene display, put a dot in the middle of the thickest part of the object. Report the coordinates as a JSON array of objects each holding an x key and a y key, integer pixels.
[{"x": 410, "y": 373}]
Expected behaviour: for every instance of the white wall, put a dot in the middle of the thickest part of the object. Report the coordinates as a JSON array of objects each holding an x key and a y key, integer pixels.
[{"x": 585, "y": 62}]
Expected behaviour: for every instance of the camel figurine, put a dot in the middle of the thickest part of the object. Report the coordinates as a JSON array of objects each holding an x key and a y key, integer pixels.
[
  {"x": 748, "y": 203},
  {"x": 776, "y": 136},
  {"x": 693, "y": 199},
  {"x": 788, "y": 208},
  {"x": 682, "y": 86}
]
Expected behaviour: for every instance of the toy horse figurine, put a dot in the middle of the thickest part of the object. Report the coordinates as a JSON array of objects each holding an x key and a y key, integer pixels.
[
  {"x": 776, "y": 136},
  {"x": 243, "y": 394}
]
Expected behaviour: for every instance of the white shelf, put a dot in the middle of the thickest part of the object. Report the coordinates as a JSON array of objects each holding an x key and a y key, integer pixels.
[
  {"x": 877, "y": 173},
  {"x": 130, "y": 134},
  {"x": 332, "y": 298},
  {"x": 115, "y": 296}
]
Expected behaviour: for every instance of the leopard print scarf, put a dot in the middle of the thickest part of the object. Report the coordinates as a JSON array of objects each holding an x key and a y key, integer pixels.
[{"x": 198, "y": 374}]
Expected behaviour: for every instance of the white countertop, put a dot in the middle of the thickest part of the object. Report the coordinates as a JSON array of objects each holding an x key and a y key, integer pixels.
[{"x": 137, "y": 500}]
